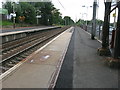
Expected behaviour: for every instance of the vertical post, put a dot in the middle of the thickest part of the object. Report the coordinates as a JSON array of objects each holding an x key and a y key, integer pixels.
[
  {"x": 37, "y": 20},
  {"x": 37, "y": 16},
  {"x": 13, "y": 15},
  {"x": 115, "y": 16},
  {"x": 99, "y": 31},
  {"x": 68, "y": 21},
  {"x": 65, "y": 22},
  {"x": 86, "y": 17},
  {"x": 94, "y": 20},
  {"x": 116, "y": 53},
  {"x": 115, "y": 20},
  {"x": 13, "y": 22}
]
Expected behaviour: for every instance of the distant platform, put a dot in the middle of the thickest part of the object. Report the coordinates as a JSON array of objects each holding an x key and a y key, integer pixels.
[{"x": 22, "y": 30}]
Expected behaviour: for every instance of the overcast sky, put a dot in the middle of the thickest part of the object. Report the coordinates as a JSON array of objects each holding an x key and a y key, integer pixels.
[{"x": 74, "y": 9}]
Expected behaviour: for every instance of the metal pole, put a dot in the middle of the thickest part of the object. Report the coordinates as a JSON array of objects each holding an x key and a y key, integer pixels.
[
  {"x": 14, "y": 22},
  {"x": 99, "y": 31},
  {"x": 14, "y": 13},
  {"x": 37, "y": 21},
  {"x": 65, "y": 22},
  {"x": 117, "y": 36},
  {"x": 86, "y": 23},
  {"x": 94, "y": 20},
  {"x": 115, "y": 20},
  {"x": 86, "y": 18},
  {"x": 37, "y": 17}
]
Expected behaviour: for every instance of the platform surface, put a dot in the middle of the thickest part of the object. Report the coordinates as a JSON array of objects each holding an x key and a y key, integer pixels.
[
  {"x": 83, "y": 68},
  {"x": 37, "y": 71},
  {"x": 24, "y": 30}
]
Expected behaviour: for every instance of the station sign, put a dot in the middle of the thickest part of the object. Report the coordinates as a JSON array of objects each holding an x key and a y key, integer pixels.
[
  {"x": 39, "y": 16},
  {"x": 13, "y": 14},
  {"x": 114, "y": 14}
]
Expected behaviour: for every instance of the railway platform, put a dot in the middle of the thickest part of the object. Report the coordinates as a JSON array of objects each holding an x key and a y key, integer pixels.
[
  {"x": 83, "y": 68},
  {"x": 40, "y": 69},
  {"x": 14, "y": 34},
  {"x": 5, "y": 30}
]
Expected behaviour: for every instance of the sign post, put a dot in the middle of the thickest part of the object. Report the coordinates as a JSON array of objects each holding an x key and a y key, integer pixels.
[
  {"x": 38, "y": 16},
  {"x": 14, "y": 15},
  {"x": 114, "y": 15}
]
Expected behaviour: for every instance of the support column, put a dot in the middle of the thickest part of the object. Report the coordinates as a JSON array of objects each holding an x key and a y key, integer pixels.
[
  {"x": 94, "y": 21},
  {"x": 117, "y": 37}
]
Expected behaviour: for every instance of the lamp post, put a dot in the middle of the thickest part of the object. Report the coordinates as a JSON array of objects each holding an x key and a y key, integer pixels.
[
  {"x": 117, "y": 36},
  {"x": 38, "y": 16},
  {"x": 14, "y": 14},
  {"x": 86, "y": 14},
  {"x": 114, "y": 15},
  {"x": 94, "y": 20},
  {"x": 82, "y": 19}
]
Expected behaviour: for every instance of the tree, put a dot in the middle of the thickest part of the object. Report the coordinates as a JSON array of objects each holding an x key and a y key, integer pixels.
[
  {"x": 68, "y": 20},
  {"x": 104, "y": 50},
  {"x": 57, "y": 19},
  {"x": 9, "y": 7},
  {"x": 49, "y": 14},
  {"x": 46, "y": 12},
  {"x": 99, "y": 21},
  {"x": 28, "y": 11},
  {"x": 82, "y": 22},
  {"x": 22, "y": 9}
]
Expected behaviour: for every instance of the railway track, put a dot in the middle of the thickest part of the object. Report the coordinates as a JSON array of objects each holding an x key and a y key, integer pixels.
[{"x": 15, "y": 51}]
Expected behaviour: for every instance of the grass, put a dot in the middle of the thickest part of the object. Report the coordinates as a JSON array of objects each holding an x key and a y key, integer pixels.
[
  {"x": 58, "y": 25},
  {"x": 8, "y": 24},
  {"x": 5, "y": 23}
]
